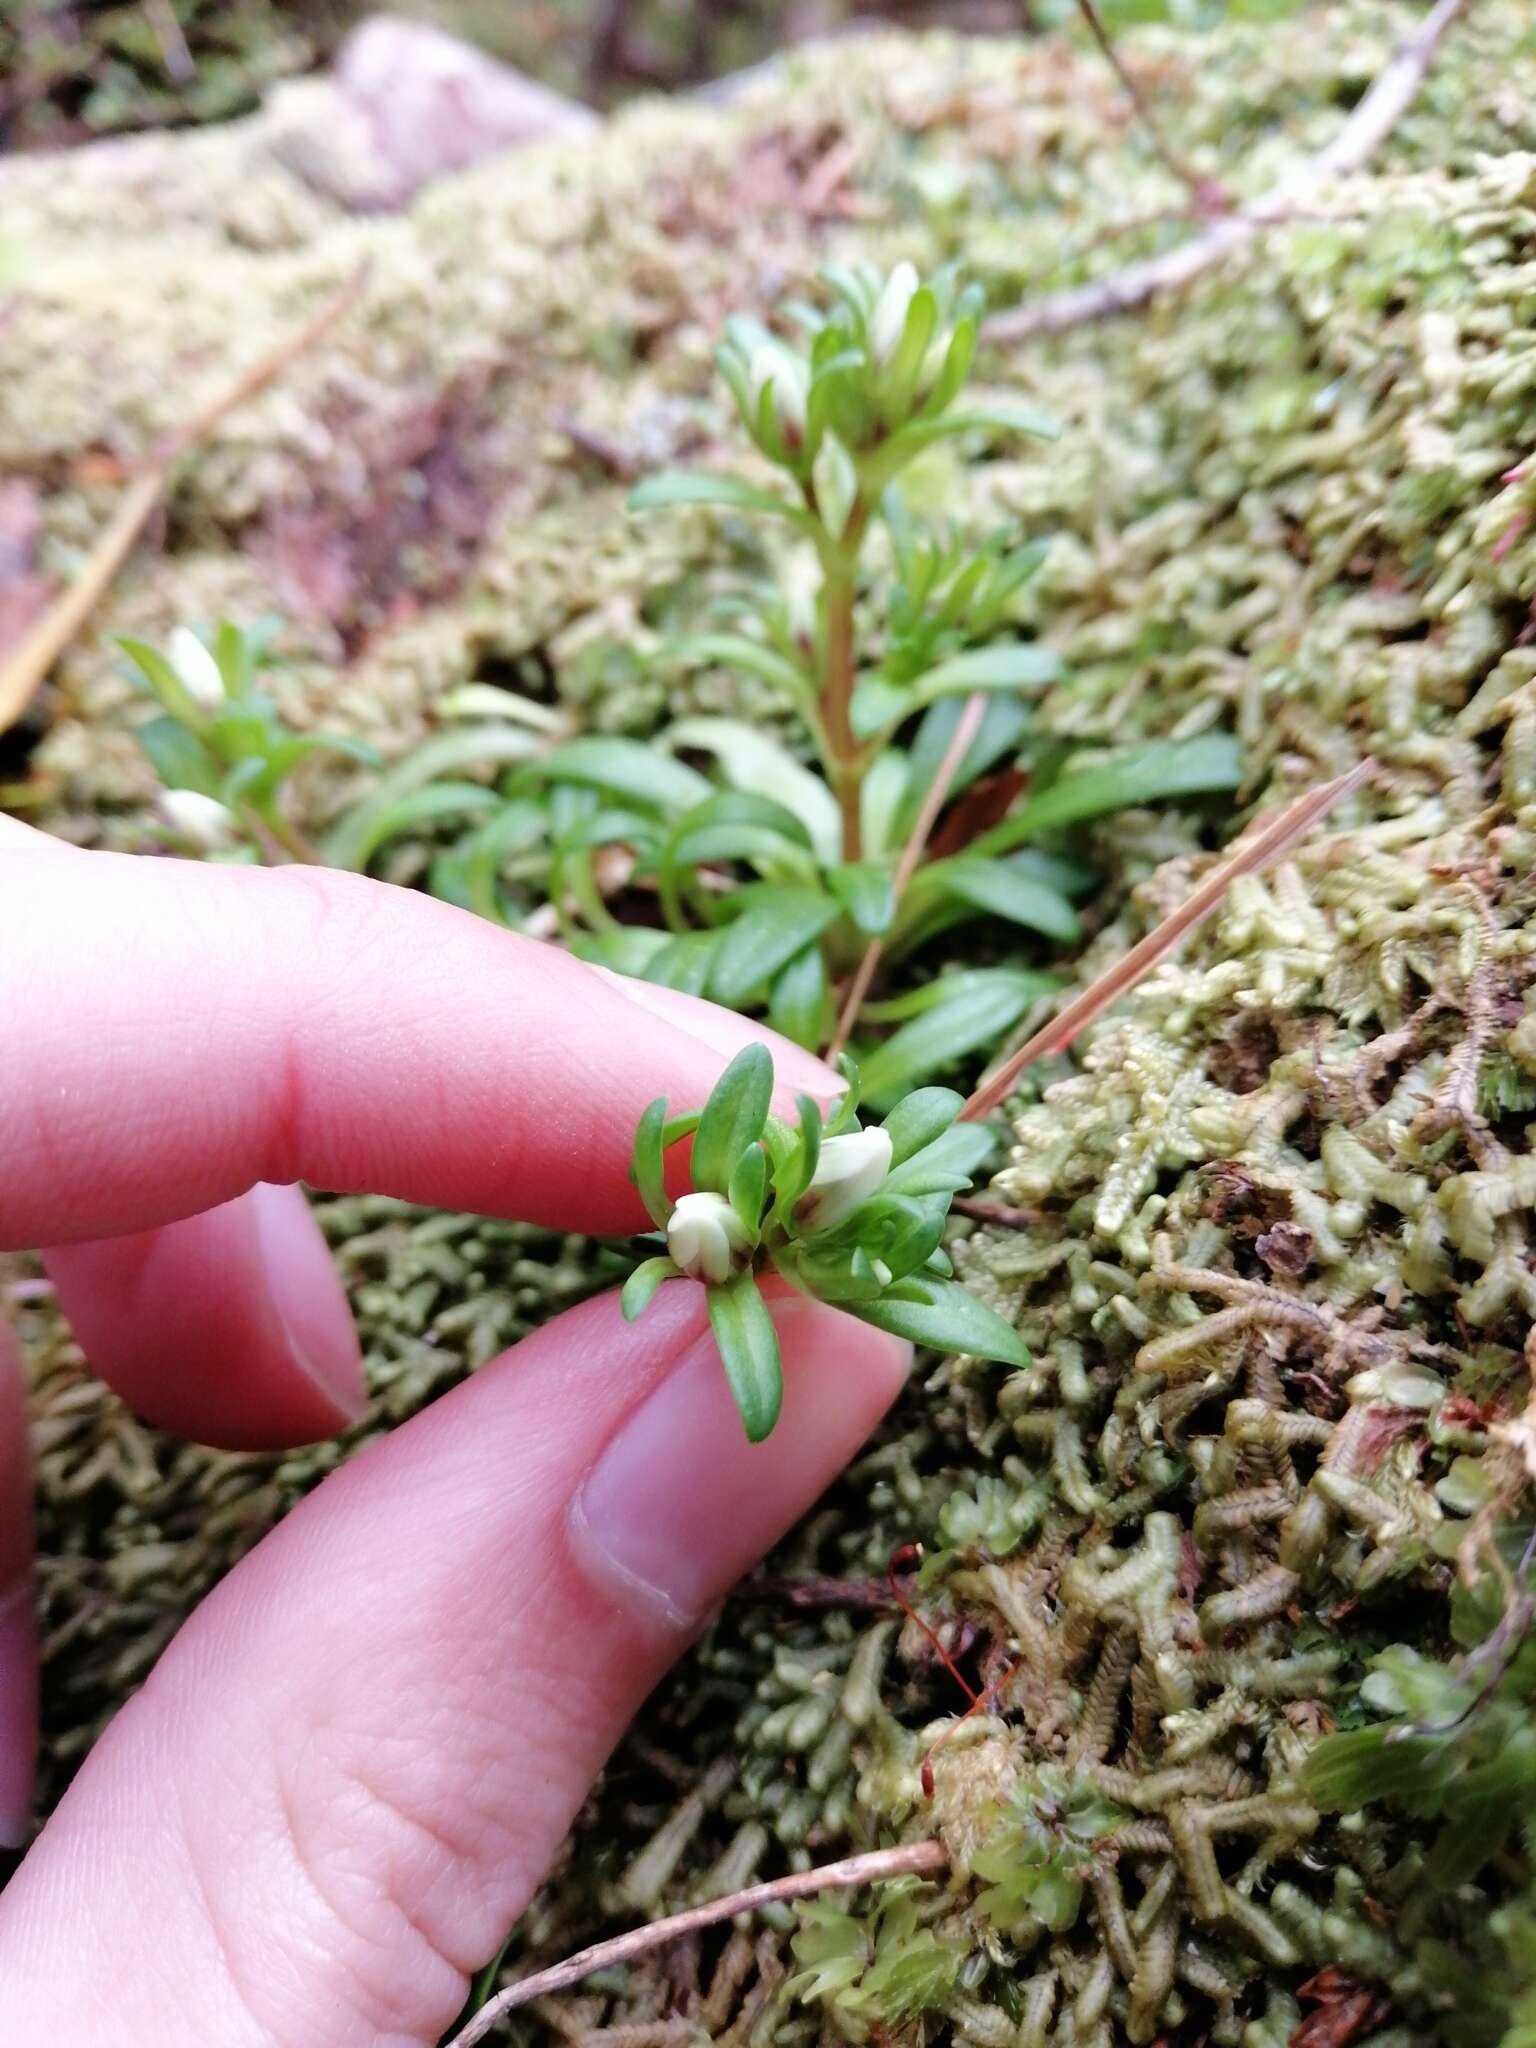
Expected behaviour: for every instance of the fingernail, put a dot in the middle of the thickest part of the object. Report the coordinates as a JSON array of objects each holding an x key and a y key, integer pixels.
[
  {"x": 307, "y": 1300},
  {"x": 680, "y": 1504},
  {"x": 726, "y": 1033},
  {"x": 18, "y": 1712}
]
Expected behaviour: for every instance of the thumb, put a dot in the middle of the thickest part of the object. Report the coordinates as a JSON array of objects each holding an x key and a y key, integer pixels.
[{"x": 350, "y": 1771}]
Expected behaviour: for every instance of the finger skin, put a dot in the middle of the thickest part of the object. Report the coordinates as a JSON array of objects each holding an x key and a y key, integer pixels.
[
  {"x": 229, "y": 1328},
  {"x": 177, "y": 1032},
  {"x": 349, "y": 1772},
  {"x": 18, "y": 1628}
]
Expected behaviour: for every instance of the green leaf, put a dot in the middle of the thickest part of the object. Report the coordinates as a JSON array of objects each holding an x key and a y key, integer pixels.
[
  {"x": 947, "y": 1164},
  {"x": 877, "y": 704},
  {"x": 159, "y": 671},
  {"x": 366, "y": 825},
  {"x": 797, "y": 1002},
  {"x": 646, "y": 1167},
  {"x": 920, "y": 1118},
  {"x": 423, "y": 807},
  {"x": 754, "y": 761},
  {"x": 625, "y": 768},
  {"x": 627, "y": 949},
  {"x": 749, "y": 1351},
  {"x": 1003, "y": 890},
  {"x": 765, "y": 937},
  {"x": 1150, "y": 774},
  {"x": 693, "y": 487},
  {"x": 733, "y": 1118},
  {"x": 515, "y": 827},
  {"x": 179, "y": 757},
  {"x": 1003, "y": 725},
  {"x": 836, "y": 483},
  {"x": 749, "y": 1187},
  {"x": 865, "y": 890},
  {"x": 1017, "y": 665},
  {"x": 684, "y": 963},
  {"x": 944, "y": 1316},
  {"x": 635, "y": 1296},
  {"x": 966, "y": 1019},
  {"x": 995, "y": 416},
  {"x": 795, "y": 1177},
  {"x": 885, "y": 801},
  {"x": 846, "y": 1108},
  {"x": 734, "y": 650}
]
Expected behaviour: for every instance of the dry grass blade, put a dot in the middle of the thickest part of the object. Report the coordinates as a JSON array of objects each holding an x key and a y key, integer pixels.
[
  {"x": 25, "y": 670},
  {"x": 925, "y": 1858},
  {"x": 1259, "y": 845},
  {"x": 1207, "y": 195},
  {"x": 974, "y": 712},
  {"x": 1362, "y": 134}
]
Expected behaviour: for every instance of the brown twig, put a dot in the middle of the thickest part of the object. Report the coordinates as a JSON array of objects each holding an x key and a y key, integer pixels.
[
  {"x": 26, "y": 668},
  {"x": 1259, "y": 845},
  {"x": 1003, "y": 1214},
  {"x": 1361, "y": 136},
  {"x": 933, "y": 802},
  {"x": 1208, "y": 196},
  {"x": 927, "y": 1858}
]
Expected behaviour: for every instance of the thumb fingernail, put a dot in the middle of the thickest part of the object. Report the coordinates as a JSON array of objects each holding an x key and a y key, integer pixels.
[
  {"x": 317, "y": 1328},
  {"x": 679, "y": 1505}
]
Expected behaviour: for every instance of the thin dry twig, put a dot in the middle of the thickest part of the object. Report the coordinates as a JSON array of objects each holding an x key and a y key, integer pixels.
[
  {"x": 1259, "y": 845},
  {"x": 927, "y": 1858},
  {"x": 969, "y": 725},
  {"x": 1208, "y": 196},
  {"x": 1362, "y": 134},
  {"x": 26, "y": 668}
]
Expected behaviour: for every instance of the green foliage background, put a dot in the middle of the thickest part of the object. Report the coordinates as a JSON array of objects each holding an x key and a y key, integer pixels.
[{"x": 1277, "y": 1267}]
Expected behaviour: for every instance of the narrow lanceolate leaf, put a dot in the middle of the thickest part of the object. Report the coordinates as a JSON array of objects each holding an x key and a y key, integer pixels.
[
  {"x": 646, "y": 1169},
  {"x": 866, "y": 890},
  {"x": 1020, "y": 665},
  {"x": 749, "y": 1186},
  {"x": 945, "y": 1317},
  {"x": 749, "y": 1351},
  {"x": 642, "y": 1284},
  {"x": 797, "y": 1002},
  {"x": 919, "y": 1119},
  {"x": 1003, "y": 890},
  {"x": 766, "y": 937},
  {"x": 692, "y": 487},
  {"x": 1145, "y": 775},
  {"x": 733, "y": 1118},
  {"x": 974, "y": 1015},
  {"x": 627, "y": 769},
  {"x": 945, "y": 1166}
]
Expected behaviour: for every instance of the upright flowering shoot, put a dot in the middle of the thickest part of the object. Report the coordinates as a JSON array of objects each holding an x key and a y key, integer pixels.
[{"x": 852, "y": 1216}]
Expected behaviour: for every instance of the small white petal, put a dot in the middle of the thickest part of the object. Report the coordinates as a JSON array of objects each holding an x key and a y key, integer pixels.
[
  {"x": 888, "y": 322},
  {"x": 202, "y": 819},
  {"x": 706, "y": 1238},
  {"x": 196, "y": 668},
  {"x": 775, "y": 368},
  {"x": 848, "y": 1171}
]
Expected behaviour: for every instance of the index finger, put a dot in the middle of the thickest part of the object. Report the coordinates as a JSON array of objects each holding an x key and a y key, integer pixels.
[{"x": 176, "y": 1032}]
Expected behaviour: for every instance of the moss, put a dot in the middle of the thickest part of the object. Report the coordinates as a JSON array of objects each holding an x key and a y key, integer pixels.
[{"x": 1280, "y": 1273}]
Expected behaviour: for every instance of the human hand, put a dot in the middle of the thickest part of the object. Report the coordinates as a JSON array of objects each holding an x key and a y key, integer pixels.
[{"x": 349, "y": 1771}]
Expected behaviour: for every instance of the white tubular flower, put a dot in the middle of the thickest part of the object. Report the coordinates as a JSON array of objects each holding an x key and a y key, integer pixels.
[
  {"x": 775, "y": 368},
  {"x": 888, "y": 322},
  {"x": 706, "y": 1238},
  {"x": 197, "y": 669},
  {"x": 848, "y": 1172},
  {"x": 202, "y": 819}
]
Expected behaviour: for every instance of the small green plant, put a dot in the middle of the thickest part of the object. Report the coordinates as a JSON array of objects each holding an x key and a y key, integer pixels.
[
  {"x": 849, "y": 1215},
  {"x": 220, "y": 746},
  {"x": 1038, "y": 1860},
  {"x": 876, "y": 1968}
]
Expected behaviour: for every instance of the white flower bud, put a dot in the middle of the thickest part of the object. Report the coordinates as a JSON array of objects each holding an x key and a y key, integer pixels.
[
  {"x": 848, "y": 1172},
  {"x": 888, "y": 322},
  {"x": 775, "y": 368},
  {"x": 202, "y": 819},
  {"x": 706, "y": 1238},
  {"x": 196, "y": 669}
]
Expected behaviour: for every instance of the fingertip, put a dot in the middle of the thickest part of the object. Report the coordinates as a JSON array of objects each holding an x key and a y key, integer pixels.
[
  {"x": 724, "y": 1032},
  {"x": 230, "y": 1328}
]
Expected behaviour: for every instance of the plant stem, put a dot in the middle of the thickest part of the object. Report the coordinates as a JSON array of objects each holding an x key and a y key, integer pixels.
[
  {"x": 840, "y": 561},
  {"x": 926, "y": 1858}
]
